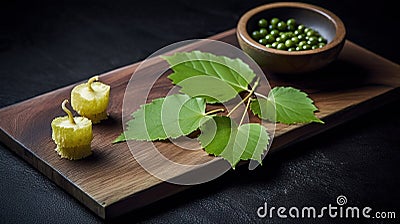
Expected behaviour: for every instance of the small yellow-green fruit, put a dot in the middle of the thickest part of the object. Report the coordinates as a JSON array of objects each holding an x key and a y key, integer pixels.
[
  {"x": 91, "y": 99},
  {"x": 72, "y": 135}
]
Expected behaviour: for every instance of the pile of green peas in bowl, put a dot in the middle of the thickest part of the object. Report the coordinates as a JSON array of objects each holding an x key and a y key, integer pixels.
[{"x": 287, "y": 35}]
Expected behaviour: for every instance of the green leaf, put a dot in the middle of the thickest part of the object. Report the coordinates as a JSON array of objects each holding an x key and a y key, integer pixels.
[
  {"x": 221, "y": 136},
  {"x": 216, "y": 133},
  {"x": 257, "y": 139},
  {"x": 233, "y": 72},
  {"x": 214, "y": 90},
  {"x": 169, "y": 117},
  {"x": 291, "y": 106},
  {"x": 263, "y": 108},
  {"x": 120, "y": 138}
]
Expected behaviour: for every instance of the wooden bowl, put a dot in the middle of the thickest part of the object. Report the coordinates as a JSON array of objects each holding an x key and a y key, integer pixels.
[{"x": 325, "y": 22}]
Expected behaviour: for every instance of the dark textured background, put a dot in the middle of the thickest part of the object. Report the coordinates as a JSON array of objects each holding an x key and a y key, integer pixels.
[{"x": 45, "y": 45}]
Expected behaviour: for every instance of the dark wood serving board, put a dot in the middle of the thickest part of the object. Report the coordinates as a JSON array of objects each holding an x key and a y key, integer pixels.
[{"x": 111, "y": 182}]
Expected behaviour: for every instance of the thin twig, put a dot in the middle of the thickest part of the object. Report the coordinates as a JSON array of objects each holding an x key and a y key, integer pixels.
[
  {"x": 245, "y": 111},
  {"x": 245, "y": 98},
  {"x": 214, "y": 111}
]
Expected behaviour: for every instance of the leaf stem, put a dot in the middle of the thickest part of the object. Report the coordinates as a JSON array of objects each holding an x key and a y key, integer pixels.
[
  {"x": 260, "y": 95},
  {"x": 91, "y": 80},
  {"x": 245, "y": 98},
  {"x": 256, "y": 93},
  {"x": 214, "y": 111},
  {"x": 65, "y": 109},
  {"x": 244, "y": 113}
]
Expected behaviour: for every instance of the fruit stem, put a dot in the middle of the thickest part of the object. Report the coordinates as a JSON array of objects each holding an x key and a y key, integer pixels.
[
  {"x": 91, "y": 80},
  {"x": 65, "y": 109}
]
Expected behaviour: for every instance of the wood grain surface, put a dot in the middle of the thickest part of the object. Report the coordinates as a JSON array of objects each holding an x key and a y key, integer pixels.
[{"x": 111, "y": 182}]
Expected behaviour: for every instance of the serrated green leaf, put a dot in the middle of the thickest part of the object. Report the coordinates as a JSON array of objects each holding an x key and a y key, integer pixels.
[
  {"x": 216, "y": 133},
  {"x": 168, "y": 117},
  {"x": 214, "y": 90},
  {"x": 291, "y": 106},
  {"x": 181, "y": 115},
  {"x": 257, "y": 140},
  {"x": 221, "y": 136},
  {"x": 264, "y": 109},
  {"x": 120, "y": 138},
  {"x": 234, "y": 72}
]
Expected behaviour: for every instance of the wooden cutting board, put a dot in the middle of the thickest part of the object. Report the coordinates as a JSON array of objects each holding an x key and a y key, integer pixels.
[{"x": 111, "y": 182}]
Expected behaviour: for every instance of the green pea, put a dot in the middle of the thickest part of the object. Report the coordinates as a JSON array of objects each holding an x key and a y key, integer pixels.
[
  {"x": 262, "y": 41},
  {"x": 270, "y": 39},
  {"x": 281, "y": 26},
  {"x": 263, "y": 32},
  {"x": 284, "y": 36},
  {"x": 256, "y": 35},
  {"x": 281, "y": 46},
  {"x": 289, "y": 43},
  {"x": 301, "y": 37},
  {"x": 274, "y": 21},
  {"x": 312, "y": 40},
  {"x": 274, "y": 44},
  {"x": 291, "y": 49},
  {"x": 263, "y": 23},
  {"x": 314, "y": 47},
  {"x": 295, "y": 40},
  {"x": 269, "y": 45},
  {"x": 306, "y": 47},
  {"x": 291, "y": 21},
  {"x": 321, "y": 45},
  {"x": 301, "y": 27},
  {"x": 322, "y": 40},
  {"x": 302, "y": 43},
  {"x": 274, "y": 33},
  {"x": 310, "y": 33},
  {"x": 298, "y": 32}
]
